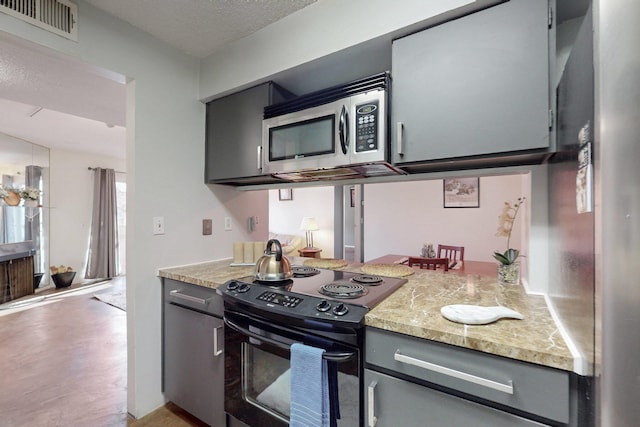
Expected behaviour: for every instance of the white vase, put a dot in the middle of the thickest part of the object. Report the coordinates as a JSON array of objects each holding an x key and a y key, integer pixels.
[{"x": 28, "y": 203}]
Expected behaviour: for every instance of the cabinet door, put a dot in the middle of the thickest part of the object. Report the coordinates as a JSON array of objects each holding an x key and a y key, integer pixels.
[
  {"x": 526, "y": 387},
  {"x": 193, "y": 372},
  {"x": 234, "y": 132},
  {"x": 476, "y": 85},
  {"x": 5, "y": 288},
  {"x": 394, "y": 402},
  {"x": 20, "y": 273}
]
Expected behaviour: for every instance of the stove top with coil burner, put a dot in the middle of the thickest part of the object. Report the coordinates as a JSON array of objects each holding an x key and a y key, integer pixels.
[
  {"x": 327, "y": 295},
  {"x": 343, "y": 290},
  {"x": 355, "y": 288}
]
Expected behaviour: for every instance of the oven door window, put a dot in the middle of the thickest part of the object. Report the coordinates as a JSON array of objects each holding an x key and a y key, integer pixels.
[
  {"x": 266, "y": 381},
  {"x": 308, "y": 138}
]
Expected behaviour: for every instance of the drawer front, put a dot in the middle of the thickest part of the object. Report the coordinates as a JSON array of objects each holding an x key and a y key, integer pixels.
[
  {"x": 193, "y": 296},
  {"x": 392, "y": 402},
  {"x": 531, "y": 388}
]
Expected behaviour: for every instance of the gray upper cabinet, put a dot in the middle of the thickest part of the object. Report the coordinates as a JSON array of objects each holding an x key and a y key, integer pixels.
[
  {"x": 234, "y": 134},
  {"x": 474, "y": 86}
]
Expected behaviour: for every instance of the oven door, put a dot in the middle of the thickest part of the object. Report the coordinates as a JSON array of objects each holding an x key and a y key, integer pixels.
[{"x": 257, "y": 371}]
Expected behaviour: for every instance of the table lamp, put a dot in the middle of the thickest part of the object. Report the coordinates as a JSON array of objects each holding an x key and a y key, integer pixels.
[{"x": 309, "y": 225}]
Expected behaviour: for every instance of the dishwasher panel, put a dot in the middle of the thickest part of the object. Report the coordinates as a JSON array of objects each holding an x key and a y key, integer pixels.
[{"x": 193, "y": 356}]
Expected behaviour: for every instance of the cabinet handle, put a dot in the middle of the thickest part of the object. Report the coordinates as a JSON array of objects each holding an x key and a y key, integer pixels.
[
  {"x": 371, "y": 417},
  {"x": 399, "y": 135},
  {"x": 505, "y": 388},
  {"x": 216, "y": 342},
  {"x": 259, "y": 157},
  {"x": 176, "y": 293}
]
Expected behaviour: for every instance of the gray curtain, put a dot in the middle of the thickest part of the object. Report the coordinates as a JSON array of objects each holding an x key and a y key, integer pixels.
[{"x": 102, "y": 258}]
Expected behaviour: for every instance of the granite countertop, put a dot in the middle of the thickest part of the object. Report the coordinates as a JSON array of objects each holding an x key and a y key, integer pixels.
[
  {"x": 208, "y": 274},
  {"x": 414, "y": 310}
]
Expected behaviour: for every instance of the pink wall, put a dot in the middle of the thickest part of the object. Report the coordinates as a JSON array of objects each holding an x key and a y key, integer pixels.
[{"x": 400, "y": 217}]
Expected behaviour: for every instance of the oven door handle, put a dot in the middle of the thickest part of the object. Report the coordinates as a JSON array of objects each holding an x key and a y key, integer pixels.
[{"x": 329, "y": 355}]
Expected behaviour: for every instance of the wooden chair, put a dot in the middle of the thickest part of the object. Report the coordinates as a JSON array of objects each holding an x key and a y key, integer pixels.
[
  {"x": 429, "y": 263},
  {"x": 453, "y": 253}
]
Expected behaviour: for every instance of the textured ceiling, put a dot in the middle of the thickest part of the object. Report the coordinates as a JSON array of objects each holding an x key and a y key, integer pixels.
[
  {"x": 200, "y": 27},
  {"x": 35, "y": 79}
]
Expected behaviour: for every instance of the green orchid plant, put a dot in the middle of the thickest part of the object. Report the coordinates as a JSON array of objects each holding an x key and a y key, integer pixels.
[{"x": 505, "y": 226}]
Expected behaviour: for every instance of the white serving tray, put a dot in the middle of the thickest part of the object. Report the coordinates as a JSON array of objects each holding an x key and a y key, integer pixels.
[{"x": 477, "y": 315}]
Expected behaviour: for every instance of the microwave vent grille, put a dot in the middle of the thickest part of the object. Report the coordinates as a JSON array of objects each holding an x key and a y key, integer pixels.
[{"x": 376, "y": 82}]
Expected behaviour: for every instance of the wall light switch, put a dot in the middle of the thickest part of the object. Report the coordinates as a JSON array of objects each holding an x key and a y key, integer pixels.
[
  {"x": 227, "y": 223},
  {"x": 158, "y": 225},
  {"x": 207, "y": 227}
]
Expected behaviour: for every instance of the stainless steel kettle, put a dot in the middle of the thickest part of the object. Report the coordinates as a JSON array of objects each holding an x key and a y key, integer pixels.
[{"x": 273, "y": 266}]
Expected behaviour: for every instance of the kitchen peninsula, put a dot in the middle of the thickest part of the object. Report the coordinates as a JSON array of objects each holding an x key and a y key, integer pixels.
[
  {"x": 414, "y": 310},
  {"x": 511, "y": 372}
]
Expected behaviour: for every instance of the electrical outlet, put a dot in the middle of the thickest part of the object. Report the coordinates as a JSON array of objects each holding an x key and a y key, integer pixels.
[
  {"x": 227, "y": 223},
  {"x": 207, "y": 226},
  {"x": 158, "y": 225}
]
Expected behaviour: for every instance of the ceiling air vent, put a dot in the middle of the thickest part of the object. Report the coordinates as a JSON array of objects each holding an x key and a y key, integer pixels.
[{"x": 57, "y": 16}]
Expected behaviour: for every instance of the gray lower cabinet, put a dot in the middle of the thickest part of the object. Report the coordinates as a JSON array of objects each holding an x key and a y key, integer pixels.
[
  {"x": 426, "y": 383},
  {"x": 192, "y": 344},
  {"x": 474, "y": 86},
  {"x": 234, "y": 134},
  {"x": 395, "y": 402}
]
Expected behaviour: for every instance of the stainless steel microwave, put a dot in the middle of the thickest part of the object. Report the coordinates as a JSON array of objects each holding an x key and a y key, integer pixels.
[{"x": 336, "y": 138}]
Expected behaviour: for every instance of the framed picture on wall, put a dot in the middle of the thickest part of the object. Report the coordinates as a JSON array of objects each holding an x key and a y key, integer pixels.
[
  {"x": 461, "y": 192},
  {"x": 285, "y": 194}
]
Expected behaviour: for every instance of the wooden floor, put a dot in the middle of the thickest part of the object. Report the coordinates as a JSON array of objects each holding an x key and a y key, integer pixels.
[{"x": 65, "y": 364}]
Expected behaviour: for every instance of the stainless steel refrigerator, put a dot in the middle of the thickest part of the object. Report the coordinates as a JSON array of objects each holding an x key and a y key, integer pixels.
[{"x": 594, "y": 199}]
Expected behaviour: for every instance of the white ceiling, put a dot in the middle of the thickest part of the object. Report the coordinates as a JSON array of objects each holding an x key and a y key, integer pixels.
[
  {"x": 43, "y": 97},
  {"x": 200, "y": 27}
]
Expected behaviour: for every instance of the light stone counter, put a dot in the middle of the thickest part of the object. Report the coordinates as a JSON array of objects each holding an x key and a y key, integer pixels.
[
  {"x": 208, "y": 274},
  {"x": 414, "y": 310}
]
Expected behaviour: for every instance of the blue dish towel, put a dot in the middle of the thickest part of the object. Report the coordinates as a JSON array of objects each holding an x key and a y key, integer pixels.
[{"x": 309, "y": 387}]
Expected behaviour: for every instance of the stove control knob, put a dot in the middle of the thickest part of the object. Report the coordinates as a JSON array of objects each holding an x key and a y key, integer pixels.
[
  {"x": 340, "y": 310},
  {"x": 243, "y": 287},
  {"x": 323, "y": 306}
]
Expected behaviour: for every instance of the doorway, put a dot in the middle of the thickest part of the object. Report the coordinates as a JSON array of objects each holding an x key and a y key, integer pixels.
[
  {"x": 352, "y": 220},
  {"x": 79, "y": 129}
]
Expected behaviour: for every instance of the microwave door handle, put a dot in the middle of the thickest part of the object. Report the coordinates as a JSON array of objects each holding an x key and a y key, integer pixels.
[
  {"x": 328, "y": 355},
  {"x": 259, "y": 158},
  {"x": 344, "y": 129}
]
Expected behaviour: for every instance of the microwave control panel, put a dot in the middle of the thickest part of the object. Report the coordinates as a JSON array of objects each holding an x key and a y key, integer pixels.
[{"x": 367, "y": 122}]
